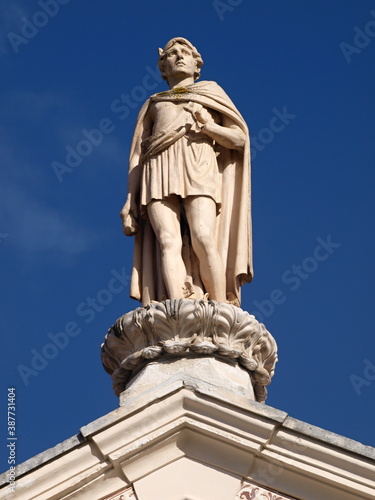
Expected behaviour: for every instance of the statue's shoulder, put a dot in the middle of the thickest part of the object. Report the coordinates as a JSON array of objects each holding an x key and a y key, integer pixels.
[
  {"x": 209, "y": 88},
  {"x": 206, "y": 84}
]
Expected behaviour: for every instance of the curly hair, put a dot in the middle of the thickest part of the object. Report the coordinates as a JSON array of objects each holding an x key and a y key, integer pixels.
[{"x": 181, "y": 41}]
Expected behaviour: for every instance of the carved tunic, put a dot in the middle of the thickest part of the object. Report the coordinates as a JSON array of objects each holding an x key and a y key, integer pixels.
[
  {"x": 187, "y": 168},
  {"x": 178, "y": 159}
]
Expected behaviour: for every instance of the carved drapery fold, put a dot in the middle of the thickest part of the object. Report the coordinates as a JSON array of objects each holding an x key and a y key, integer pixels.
[{"x": 187, "y": 327}]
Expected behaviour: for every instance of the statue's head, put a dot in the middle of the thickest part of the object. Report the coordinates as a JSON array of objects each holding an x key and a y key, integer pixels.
[{"x": 186, "y": 43}]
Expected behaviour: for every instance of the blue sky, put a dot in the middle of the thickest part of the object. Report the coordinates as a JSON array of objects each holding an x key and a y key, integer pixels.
[{"x": 310, "y": 63}]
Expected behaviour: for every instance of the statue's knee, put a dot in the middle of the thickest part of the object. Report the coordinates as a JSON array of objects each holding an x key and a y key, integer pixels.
[
  {"x": 204, "y": 239},
  {"x": 170, "y": 244}
]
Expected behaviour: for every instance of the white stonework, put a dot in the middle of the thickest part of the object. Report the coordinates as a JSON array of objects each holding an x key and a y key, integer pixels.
[
  {"x": 190, "y": 441},
  {"x": 227, "y": 378},
  {"x": 127, "y": 494},
  {"x": 187, "y": 328}
]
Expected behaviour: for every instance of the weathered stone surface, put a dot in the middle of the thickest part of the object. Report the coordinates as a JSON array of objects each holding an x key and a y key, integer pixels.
[
  {"x": 127, "y": 494},
  {"x": 192, "y": 443},
  {"x": 189, "y": 171},
  {"x": 186, "y": 328},
  {"x": 218, "y": 376}
]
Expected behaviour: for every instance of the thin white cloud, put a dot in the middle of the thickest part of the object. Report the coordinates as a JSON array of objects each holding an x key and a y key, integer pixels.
[
  {"x": 29, "y": 214},
  {"x": 33, "y": 225},
  {"x": 11, "y": 13},
  {"x": 31, "y": 105}
]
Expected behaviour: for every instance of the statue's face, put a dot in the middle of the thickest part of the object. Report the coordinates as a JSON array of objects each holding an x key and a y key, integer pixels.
[{"x": 179, "y": 61}]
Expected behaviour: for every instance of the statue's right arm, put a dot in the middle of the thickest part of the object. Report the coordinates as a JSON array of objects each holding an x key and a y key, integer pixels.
[{"x": 130, "y": 211}]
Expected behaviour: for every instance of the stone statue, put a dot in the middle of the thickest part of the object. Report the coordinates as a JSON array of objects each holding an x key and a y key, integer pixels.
[
  {"x": 188, "y": 201},
  {"x": 188, "y": 206}
]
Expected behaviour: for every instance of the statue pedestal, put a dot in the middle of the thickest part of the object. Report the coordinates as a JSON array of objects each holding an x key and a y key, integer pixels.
[
  {"x": 190, "y": 341},
  {"x": 220, "y": 378}
]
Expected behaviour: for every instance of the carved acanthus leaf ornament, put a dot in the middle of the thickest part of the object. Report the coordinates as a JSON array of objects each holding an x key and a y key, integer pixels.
[{"x": 187, "y": 327}]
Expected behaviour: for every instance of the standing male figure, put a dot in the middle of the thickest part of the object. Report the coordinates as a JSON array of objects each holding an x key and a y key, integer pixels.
[{"x": 188, "y": 198}]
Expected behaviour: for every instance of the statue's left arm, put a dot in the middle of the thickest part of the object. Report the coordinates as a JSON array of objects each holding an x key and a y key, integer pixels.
[{"x": 227, "y": 133}]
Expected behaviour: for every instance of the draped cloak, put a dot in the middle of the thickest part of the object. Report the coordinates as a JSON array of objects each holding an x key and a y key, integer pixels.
[{"x": 233, "y": 225}]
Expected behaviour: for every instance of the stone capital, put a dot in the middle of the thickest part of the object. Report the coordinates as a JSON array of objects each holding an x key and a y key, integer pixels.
[{"x": 187, "y": 328}]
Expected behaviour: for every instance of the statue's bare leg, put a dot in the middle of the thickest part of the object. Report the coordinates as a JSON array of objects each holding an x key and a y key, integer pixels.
[
  {"x": 164, "y": 216},
  {"x": 201, "y": 216}
]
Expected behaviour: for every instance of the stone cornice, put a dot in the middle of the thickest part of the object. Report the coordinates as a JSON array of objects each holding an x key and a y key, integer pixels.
[{"x": 247, "y": 440}]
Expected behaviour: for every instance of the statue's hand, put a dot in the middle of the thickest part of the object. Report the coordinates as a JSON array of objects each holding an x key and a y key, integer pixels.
[
  {"x": 200, "y": 114},
  {"x": 203, "y": 117},
  {"x": 129, "y": 215}
]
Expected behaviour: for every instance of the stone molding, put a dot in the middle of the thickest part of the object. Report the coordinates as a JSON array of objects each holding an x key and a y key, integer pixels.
[
  {"x": 127, "y": 494},
  {"x": 174, "y": 445},
  {"x": 187, "y": 327}
]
